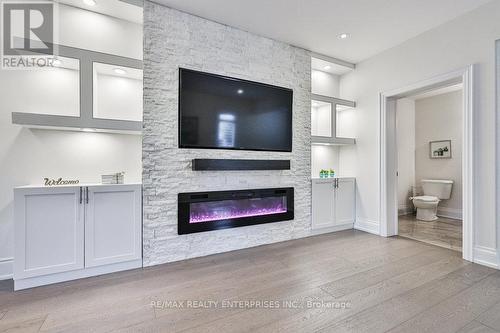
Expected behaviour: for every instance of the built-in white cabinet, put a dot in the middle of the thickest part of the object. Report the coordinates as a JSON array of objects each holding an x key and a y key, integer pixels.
[
  {"x": 333, "y": 203},
  {"x": 112, "y": 225},
  {"x": 49, "y": 231},
  {"x": 65, "y": 233}
]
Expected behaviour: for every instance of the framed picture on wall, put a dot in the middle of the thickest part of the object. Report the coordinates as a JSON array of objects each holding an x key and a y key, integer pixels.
[{"x": 440, "y": 149}]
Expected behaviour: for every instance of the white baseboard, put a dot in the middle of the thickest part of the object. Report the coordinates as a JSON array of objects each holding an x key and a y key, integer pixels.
[
  {"x": 451, "y": 213},
  {"x": 77, "y": 274},
  {"x": 486, "y": 256},
  {"x": 6, "y": 268},
  {"x": 370, "y": 226},
  {"x": 405, "y": 210},
  {"x": 327, "y": 230}
]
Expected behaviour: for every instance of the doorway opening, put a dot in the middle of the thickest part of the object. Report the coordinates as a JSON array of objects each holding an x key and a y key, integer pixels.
[
  {"x": 426, "y": 162},
  {"x": 429, "y": 166}
]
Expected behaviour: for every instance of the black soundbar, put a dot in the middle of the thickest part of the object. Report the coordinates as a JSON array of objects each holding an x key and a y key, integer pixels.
[{"x": 221, "y": 165}]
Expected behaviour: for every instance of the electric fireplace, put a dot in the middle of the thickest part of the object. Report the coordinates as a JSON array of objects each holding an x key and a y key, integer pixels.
[{"x": 204, "y": 211}]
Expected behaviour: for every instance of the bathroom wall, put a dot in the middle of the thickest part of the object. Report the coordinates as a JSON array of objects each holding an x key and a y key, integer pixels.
[
  {"x": 440, "y": 118},
  {"x": 405, "y": 136}
]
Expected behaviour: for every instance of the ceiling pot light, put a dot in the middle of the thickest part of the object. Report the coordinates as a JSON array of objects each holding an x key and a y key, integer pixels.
[
  {"x": 327, "y": 67},
  {"x": 119, "y": 71},
  {"x": 90, "y": 2},
  {"x": 89, "y": 130},
  {"x": 240, "y": 91},
  {"x": 343, "y": 36}
]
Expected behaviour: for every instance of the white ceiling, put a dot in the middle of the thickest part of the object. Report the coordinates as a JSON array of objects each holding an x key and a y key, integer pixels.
[{"x": 373, "y": 25}]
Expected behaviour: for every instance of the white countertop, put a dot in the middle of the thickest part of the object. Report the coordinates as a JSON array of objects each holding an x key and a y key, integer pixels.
[
  {"x": 73, "y": 185},
  {"x": 336, "y": 177}
]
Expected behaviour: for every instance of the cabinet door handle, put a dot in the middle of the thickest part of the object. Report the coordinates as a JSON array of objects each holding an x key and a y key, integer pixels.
[
  {"x": 87, "y": 194},
  {"x": 81, "y": 199}
]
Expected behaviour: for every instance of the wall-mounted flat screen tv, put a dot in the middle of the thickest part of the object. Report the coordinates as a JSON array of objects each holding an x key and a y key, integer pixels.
[{"x": 220, "y": 112}]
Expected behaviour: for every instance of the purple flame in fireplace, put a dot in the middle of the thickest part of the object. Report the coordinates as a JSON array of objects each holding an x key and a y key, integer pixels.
[{"x": 232, "y": 209}]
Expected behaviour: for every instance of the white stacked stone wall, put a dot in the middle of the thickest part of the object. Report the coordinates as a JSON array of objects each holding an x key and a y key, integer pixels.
[{"x": 174, "y": 39}]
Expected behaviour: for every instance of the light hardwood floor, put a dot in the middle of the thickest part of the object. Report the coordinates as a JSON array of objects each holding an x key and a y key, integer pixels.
[
  {"x": 346, "y": 281},
  {"x": 443, "y": 232}
]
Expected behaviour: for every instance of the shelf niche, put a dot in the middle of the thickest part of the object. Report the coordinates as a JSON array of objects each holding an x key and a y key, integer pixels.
[{"x": 83, "y": 118}]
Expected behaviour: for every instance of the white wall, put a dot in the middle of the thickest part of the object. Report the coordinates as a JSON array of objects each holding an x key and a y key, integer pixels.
[
  {"x": 321, "y": 120},
  {"x": 405, "y": 138},
  {"x": 498, "y": 137},
  {"x": 92, "y": 31},
  {"x": 26, "y": 156},
  {"x": 324, "y": 158},
  {"x": 117, "y": 98},
  {"x": 440, "y": 118},
  {"x": 52, "y": 91},
  {"x": 346, "y": 123},
  {"x": 323, "y": 83},
  {"x": 469, "y": 39}
]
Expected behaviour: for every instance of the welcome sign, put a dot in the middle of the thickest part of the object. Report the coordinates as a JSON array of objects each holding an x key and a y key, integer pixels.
[{"x": 60, "y": 182}]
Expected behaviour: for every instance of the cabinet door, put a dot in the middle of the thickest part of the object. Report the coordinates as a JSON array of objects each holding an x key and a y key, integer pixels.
[
  {"x": 113, "y": 224},
  {"x": 322, "y": 204},
  {"x": 49, "y": 231},
  {"x": 345, "y": 199}
]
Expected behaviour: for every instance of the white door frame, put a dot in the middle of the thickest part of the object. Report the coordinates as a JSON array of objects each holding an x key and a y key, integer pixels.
[{"x": 388, "y": 161}]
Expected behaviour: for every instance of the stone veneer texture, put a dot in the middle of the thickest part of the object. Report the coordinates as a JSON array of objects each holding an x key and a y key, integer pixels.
[{"x": 174, "y": 39}]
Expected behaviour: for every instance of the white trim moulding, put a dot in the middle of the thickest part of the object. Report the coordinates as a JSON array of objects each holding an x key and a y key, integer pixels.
[{"x": 387, "y": 176}]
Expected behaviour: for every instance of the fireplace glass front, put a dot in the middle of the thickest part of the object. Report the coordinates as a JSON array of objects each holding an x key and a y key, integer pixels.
[{"x": 203, "y": 211}]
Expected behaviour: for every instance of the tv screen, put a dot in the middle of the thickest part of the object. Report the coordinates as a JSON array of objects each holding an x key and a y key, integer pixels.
[{"x": 227, "y": 113}]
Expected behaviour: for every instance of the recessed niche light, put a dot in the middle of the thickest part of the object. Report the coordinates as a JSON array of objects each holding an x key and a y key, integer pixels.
[
  {"x": 90, "y": 2},
  {"x": 227, "y": 117},
  {"x": 327, "y": 67},
  {"x": 240, "y": 91},
  {"x": 119, "y": 71},
  {"x": 343, "y": 36}
]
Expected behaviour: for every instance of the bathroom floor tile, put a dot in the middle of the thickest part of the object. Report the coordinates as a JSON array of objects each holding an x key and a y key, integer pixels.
[{"x": 443, "y": 232}]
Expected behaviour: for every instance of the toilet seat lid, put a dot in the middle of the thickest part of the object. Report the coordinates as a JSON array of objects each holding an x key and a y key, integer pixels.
[{"x": 426, "y": 198}]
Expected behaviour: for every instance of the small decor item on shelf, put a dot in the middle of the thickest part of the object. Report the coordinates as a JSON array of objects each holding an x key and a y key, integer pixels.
[
  {"x": 60, "y": 182},
  {"x": 323, "y": 173},
  {"x": 116, "y": 178},
  {"x": 331, "y": 173}
]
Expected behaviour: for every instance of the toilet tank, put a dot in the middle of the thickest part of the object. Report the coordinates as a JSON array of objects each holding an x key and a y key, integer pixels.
[{"x": 437, "y": 187}]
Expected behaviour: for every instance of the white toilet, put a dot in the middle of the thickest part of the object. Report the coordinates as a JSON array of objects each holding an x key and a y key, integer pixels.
[{"x": 434, "y": 191}]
